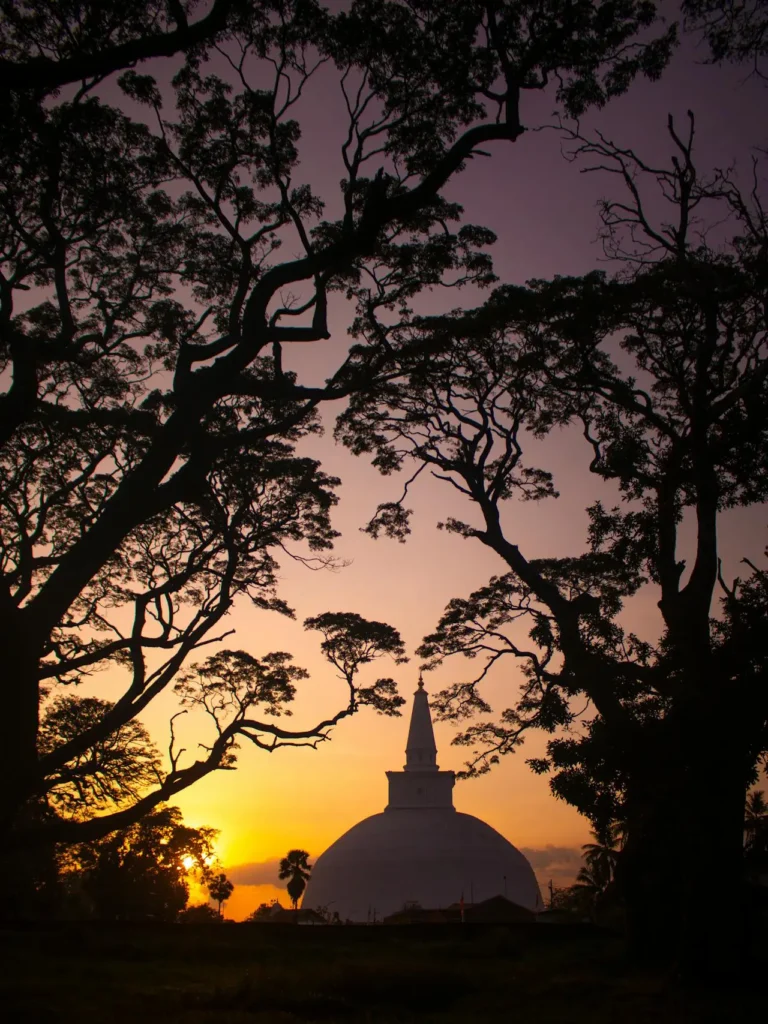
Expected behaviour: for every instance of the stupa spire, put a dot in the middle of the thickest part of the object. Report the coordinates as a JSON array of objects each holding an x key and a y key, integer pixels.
[{"x": 420, "y": 750}]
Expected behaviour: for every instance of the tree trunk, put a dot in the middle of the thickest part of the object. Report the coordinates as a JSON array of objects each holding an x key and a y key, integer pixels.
[
  {"x": 713, "y": 934},
  {"x": 649, "y": 869},
  {"x": 681, "y": 870},
  {"x": 18, "y": 728}
]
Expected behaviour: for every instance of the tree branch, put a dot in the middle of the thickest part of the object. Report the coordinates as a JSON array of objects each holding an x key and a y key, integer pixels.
[{"x": 48, "y": 74}]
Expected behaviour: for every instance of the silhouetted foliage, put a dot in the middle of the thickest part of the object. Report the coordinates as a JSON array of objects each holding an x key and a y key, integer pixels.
[
  {"x": 664, "y": 369},
  {"x": 47, "y": 45},
  {"x": 230, "y": 684},
  {"x": 735, "y": 30},
  {"x": 150, "y": 405},
  {"x": 587, "y": 899},
  {"x": 143, "y": 872},
  {"x": 594, "y": 895},
  {"x": 200, "y": 913},
  {"x": 296, "y": 868},
  {"x": 119, "y": 766},
  {"x": 602, "y": 855},
  {"x": 351, "y": 641},
  {"x": 34, "y": 891},
  {"x": 756, "y": 837},
  {"x": 220, "y": 889}
]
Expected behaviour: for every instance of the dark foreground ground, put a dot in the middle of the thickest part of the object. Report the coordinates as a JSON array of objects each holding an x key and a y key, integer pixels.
[{"x": 251, "y": 974}]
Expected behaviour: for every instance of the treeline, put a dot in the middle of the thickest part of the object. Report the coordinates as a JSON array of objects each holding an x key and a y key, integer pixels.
[
  {"x": 596, "y": 895},
  {"x": 143, "y": 873}
]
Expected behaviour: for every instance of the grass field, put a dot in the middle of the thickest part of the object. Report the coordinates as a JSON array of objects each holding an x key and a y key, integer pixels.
[{"x": 241, "y": 974}]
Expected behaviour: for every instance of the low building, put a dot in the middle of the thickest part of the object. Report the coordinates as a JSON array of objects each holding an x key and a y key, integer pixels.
[
  {"x": 281, "y": 915},
  {"x": 496, "y": 910}
]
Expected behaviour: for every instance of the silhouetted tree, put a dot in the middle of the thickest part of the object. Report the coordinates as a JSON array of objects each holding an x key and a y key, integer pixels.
[
  {"x": 113, "y": 772},
  {"x": 664, "y": 369},
  {"x": 591, "y": 883},
  {"x": 229, "y": 684},
  {"x": 296, "y": 868},
  {"x": 735, "y": 30},
  {"x": 117, "y": 769},
  {"x": 264, "y": 911},
  {"x": 201, "y": 913},
  {"x": 602, "y": 855},
  {"x": 151, "y": 403},
  {"x": 143, "y": 872},
  {"x": 220, "y": 889},
  {"x": 47, "y": 45},
  {"x": 756, "y": 836},
  {"x": 594, "y": 892},
  {"x": 34, "y": 888},
  {"x": 756, "y": 815}
]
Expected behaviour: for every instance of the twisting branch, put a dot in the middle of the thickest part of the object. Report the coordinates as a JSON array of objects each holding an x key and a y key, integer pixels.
[{"x": 48, "y": 73}]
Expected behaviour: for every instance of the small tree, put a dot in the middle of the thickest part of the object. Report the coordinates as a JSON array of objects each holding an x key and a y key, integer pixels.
[
  {"x": 220, "y": 889},
  {"x": 594, "y": 891},
  {"x": 296, "y": 868},
  {"x": 601, "y": 855},
  {"x": 264, "y": 911}
]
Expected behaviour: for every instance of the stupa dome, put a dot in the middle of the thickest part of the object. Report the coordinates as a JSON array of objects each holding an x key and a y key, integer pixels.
[{"x": 419, "y": 849}]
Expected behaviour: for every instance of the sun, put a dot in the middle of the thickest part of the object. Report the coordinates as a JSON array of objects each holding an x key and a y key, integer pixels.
[{"x": 188, "y": 862}]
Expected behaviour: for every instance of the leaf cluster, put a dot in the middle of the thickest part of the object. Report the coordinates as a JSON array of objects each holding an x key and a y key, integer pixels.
[
  {"x": 118, "y": 767},
  {"x": 139, "y": 873}
]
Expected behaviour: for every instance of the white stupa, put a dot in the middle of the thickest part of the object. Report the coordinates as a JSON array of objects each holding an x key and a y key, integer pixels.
[{"x": 420, "y": 848}]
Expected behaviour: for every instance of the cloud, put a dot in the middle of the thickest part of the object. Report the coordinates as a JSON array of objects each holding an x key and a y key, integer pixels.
[
  {"x": 560, "y": 863},
  {"x": 262, "y": 872},
  {"x": 548, "y": 856}
]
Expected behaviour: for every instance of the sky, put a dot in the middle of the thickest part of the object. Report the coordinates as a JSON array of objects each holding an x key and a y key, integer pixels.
[{"x": 543, "y": 211}]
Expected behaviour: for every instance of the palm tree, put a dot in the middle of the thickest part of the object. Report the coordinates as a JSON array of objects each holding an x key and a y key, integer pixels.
[
  {"x": 296, "y": 868},
  {"x": 595, "y": 879},
  {"x": 756, "y": 835},
  {"x": 756, "y": 812},
  {"x": 601, "y": 856},
  {"x": 588, "y": 889},
  {"x": 220, "y": 889}
]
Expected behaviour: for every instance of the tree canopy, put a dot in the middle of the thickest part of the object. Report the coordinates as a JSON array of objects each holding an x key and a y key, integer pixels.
[
  {"x": 116, "y": 769},
  {"x": 144, "y": 872},
  {"x": 46, "y": 46},
  {"x": 296, "y": 869},
  {"x": 735, "y": 30},
  {"x": 152, "y": 401},
  {"x": 220, "y": 889}
]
